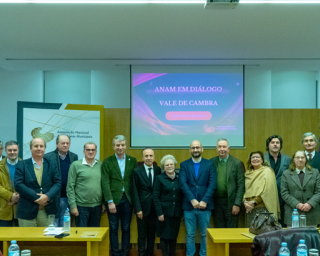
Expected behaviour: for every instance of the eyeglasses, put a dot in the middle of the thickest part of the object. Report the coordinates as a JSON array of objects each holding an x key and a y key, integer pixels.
[
  {"x": 300, "y": 157},
  {"x": 255, "y": 157},
  {"x": 89, "y": 149},
  {"x": 195, "y": 148}
]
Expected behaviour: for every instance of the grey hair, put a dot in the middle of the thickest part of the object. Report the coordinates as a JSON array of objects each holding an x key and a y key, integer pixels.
[
  {"x": 119, "y": 138},
  {"x": 11, "y": 143},
  {"x": 58, "y": 138},
  {"x": 165, "y": 158},
  {"x": 223, "y": 139},
  {"x": 310, "y": 134},
  {"x": 90, "y": 143},
  {"x": 1, "y": 144},
  {"x": 31, "y": 142}
]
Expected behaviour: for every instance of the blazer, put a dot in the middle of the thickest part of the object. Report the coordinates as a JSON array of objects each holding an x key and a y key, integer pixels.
[
  {"x": 26, "y": 184},
  {"x": 167, "y": 196},
  {"x": 112, "y": 181},
  {"x": 6, "y": 191},
  {"x": 284, "y": 165},
  {"x": 54, "y": 156},
  {"x": 235, "y": 180},
  {"x": 142, "y": 190},
  {"x": 315, "y": 161},
  {"x": 200, "y": 188},
  {"x": 293, "y": 193}
]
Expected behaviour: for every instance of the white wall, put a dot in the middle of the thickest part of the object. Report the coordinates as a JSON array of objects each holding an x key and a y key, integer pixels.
[
  {"x": 111, "y": 87},
  {"x": 17, "y": 86},
  {"x": 257, "y": 92},
  {"x": 293, "y": 89},
  {"x": 67, "y": 87}
]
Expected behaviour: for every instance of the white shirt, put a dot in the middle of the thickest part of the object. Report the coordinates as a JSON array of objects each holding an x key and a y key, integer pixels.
[
  {"x": 197, "y": 161},
  {"x": 147, "y": 171},
  {"x": 84, "y": 162},
  {"x": 35, "y": 163},
  {"x": 12, "y": 162},
  {"x": 312, "y": 154},
  {"x": 298, "y": 171}
]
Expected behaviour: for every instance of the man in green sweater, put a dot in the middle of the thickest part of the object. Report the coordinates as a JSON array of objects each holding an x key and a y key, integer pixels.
[{"x": 84, "y": 188}]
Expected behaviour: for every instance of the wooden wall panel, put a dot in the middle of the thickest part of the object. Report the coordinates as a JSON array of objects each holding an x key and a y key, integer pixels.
[{"x": 291, "y": 124}]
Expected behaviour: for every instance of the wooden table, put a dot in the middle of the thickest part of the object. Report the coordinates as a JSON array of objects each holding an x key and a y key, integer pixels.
[
  {"x": 34, "y": 238},
  {"x": 219, "y": 240}
]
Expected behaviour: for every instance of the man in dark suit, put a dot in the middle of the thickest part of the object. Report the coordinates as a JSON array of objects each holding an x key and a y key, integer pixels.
[
  {"x": 38, "y": 181},
  {"x": 198, "y": 181},
  {"x": 278, "y": 162},
  {"x": 63, "y": 158},
  {"x": 310, "y": 142},
  {"x": 230, "y": 190},
  {"x": 116, "y": 187},
  {"x": 143, "y": 178}
]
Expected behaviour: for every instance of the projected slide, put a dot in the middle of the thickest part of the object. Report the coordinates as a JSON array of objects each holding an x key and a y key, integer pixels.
[{"x": 172, "y": 109}]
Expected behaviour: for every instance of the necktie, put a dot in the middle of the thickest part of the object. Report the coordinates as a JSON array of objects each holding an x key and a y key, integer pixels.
[
  {"x": 309, "y": 156},
  {"x": 301, "y": 177},
  {"x": 150, "y": 176}
]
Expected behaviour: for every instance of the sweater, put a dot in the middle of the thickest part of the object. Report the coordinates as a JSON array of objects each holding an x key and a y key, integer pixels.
[{"x": 84, "y": 185}]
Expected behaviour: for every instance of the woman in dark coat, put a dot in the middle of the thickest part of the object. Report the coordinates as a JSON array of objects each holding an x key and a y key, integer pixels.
[
  {"x": 167, "y": 198},
  {"x": 300, "y": 189}
]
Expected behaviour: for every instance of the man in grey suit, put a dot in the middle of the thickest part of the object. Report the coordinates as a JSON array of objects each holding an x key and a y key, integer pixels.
[
  {"x": 310, "y": 142},
  {"x": 278, "y": 162},
  {"x": 229, "y": 194}
]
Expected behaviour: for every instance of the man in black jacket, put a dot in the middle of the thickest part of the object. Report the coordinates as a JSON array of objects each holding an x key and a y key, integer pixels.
[
  {"x": 63, "y": 158},
  {"x": 143, "y": 178},
  {"x": 310, "y": 142}
]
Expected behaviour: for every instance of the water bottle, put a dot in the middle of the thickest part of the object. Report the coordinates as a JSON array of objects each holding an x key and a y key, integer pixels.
[
  {"x": 14, "y": 249},
  {"x": 66, "y": 221},
  {"x": 284, "y": 251},
  {"x": 302, "y": 249},
  {"x": 295, "y": 218}
]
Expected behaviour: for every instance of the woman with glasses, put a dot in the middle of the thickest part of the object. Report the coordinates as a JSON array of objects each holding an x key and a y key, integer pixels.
[
  {"x": 261, "y": 188},
  {"x": 300, "y": 189},
  {"x": 167, "y": 199}
]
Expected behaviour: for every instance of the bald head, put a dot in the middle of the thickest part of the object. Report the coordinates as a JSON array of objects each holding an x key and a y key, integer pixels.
[{"x": 196, "y": 149}]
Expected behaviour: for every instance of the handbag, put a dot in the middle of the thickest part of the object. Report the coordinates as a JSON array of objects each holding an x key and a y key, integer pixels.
[{"x": 264, "y": 222}]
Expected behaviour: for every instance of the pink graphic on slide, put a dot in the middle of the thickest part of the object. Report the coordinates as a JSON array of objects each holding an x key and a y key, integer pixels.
[
  {"x": 140, "y": 78},
  {"x": 188, "y": 115}
]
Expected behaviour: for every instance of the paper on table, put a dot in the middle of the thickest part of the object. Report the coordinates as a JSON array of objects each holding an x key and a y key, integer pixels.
[
  {"x": 54, "y": 232},
  {"x": 89, "y": 234},
  {"x": 47, "y": 229}
]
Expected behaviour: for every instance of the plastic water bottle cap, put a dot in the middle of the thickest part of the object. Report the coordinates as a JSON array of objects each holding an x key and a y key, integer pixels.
[
  {"x": 13, "y": 241},
  {"x": 295, "y": 210},
  {"x": 283, "y": 244},
  {"x": 302, "y": 241}
]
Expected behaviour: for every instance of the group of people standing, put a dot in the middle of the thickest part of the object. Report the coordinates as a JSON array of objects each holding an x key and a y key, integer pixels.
[{"x": 49, "y": 183}]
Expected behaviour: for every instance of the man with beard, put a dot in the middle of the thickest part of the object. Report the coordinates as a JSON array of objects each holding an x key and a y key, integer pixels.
[
  {"x": 229, "y": 195},
  {"x": 198, "y": 181},
  {"x": 8, "y": 197},
  {"x": 143, "y": 178},
  {"x": 310, "y": 141},
  {"x": 278, "y": 162},
  {"x": 63, "y": 158}
]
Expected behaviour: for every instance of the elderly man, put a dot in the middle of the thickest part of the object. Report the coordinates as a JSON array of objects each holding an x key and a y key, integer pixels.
[
  {"x": 63, "y": 158},
  {"x": 8, "y": 196},
  {"x": 229, "y": 195},
  {"x": 116, "y": 185},
  {"x": 1, "y": 150},
  {"x": 143, "y": 178},
  {"x": 198, "y": 181},
  {"x": 84, "y": 188},
  {"x": 310, "y": 141},
  {"x": 278, "y": 162},
  {"x": 38, "y": 182}
]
